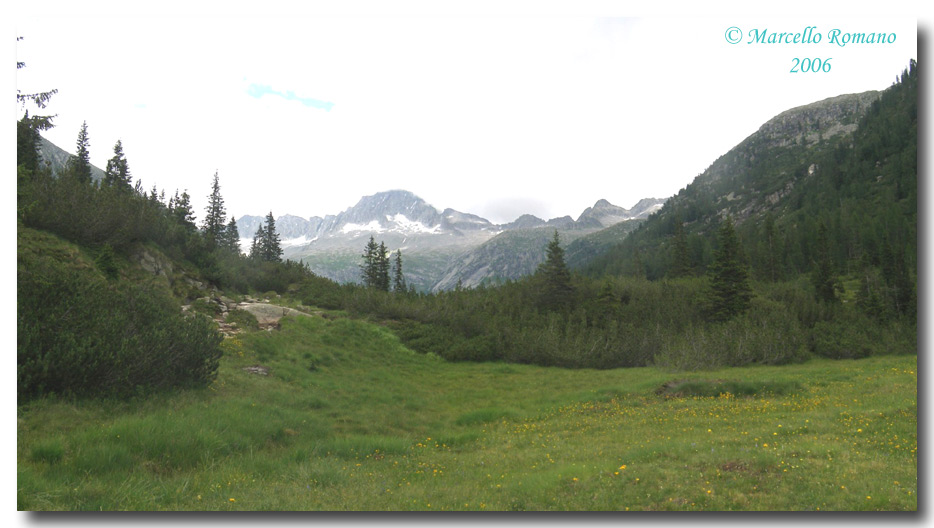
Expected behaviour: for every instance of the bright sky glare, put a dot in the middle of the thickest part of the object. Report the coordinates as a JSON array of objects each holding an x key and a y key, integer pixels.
[{"x": 495, "y": 115}]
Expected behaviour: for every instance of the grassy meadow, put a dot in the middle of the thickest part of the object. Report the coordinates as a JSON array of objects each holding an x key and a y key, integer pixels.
[{"x": 341, "y": 416}]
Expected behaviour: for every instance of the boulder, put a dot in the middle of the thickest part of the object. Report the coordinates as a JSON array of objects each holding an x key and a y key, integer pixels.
[{"x": 268, "y": 314}]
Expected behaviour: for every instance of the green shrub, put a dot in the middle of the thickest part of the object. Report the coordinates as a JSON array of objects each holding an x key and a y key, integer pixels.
[
  {"x": 834, "y": 340},
  {"x": 78, "y": 334},
  {"x": 765, "y": 334},
  {"x": 206, "y": 307},
  {"x": 243, "y": 319}
]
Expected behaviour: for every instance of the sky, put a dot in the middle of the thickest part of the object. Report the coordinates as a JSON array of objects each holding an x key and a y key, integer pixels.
[{"x": 491, "y": 112}]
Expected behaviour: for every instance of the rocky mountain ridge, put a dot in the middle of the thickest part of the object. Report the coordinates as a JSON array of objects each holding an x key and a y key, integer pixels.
[{"x": 431, "y": 241}]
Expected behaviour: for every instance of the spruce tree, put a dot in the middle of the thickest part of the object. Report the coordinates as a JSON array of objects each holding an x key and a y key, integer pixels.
[
  {"x": 368, "y": 270},
  {"x": 181, "y": 210},
  {"x": 117, "y": 173},
  {"x": 398, "y": 279},
  {"x": 256, "y": 248},
  {"x": 271, "y": 246},
  {"x": 557, "y": 292},
  {"x": 382, "y": 268},
  {"x": 232, "y": 237},
  {"x": 731, "y": 293},
  {"x": 215, "y": 219},
  {"x": 79, "y": 165},
  {"x": 27, "y": 144}
]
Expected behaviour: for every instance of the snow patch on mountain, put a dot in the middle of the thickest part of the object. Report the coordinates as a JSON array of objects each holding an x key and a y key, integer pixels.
[
  {"x": 372, "y": 226},
  {"x": 409, "y": 226}
]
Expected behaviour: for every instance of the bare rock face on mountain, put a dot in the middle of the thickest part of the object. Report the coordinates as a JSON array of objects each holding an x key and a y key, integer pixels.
[{"x": 604, "y": 214}]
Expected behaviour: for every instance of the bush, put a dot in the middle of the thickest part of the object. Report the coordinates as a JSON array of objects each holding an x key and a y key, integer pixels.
[
  {"x": 243, "y": 319},
  {"x": 766, "y": 334},
  {"x": 80, "y": 335}
]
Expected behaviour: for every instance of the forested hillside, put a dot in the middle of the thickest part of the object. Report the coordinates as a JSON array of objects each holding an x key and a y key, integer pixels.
[{"x": 848, "y": 164}]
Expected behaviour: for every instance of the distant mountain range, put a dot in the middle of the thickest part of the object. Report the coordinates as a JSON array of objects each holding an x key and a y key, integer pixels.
[{"x": 439, "y": 248}]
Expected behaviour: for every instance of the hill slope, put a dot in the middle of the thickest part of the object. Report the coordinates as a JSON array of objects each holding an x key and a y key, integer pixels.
[{"x": 848, "y": 162}]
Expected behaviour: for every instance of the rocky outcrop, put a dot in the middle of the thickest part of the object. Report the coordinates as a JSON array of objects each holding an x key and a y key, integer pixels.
[
  {"x": 154, "y": 264},
  {"x": 268, "y": 314}
]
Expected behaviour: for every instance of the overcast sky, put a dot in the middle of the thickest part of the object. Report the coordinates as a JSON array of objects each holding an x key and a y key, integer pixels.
[{"x": 497, "y": 114}]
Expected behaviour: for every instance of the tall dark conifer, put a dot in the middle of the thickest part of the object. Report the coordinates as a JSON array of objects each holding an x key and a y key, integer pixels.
[
  {"x": 256, "y": 248},
  {"x": 398, "y": 279},
  {"x": 181, "y": 210},
  {"x": 231, "y": 239},
  {"x": 215, "y": 219},
  {"x": 79, "y": 165},
  {"x": 731, "y": 293},
  {"x": 117, "y": 173},
  {"x": 382, "y": 267},
  {"x": 271, "y": 245},
  {"x": 368, "y": 270},
  {"x": 557, "y": 291}
]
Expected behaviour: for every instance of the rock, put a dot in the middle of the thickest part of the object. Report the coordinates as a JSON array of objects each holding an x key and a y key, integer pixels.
[
  {"x": 154, "y": 264},
  {"x": 268, "y": 314}
]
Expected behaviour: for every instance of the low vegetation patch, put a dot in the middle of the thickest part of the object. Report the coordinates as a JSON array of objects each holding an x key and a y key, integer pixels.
[{"x": 719, "y": 388}]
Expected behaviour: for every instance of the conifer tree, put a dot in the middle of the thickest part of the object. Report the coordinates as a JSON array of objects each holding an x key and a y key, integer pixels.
[
  {"x": 271, "y": 246},
  {"x": 117, "y": 173},
  {"x": 731, "y": 292},
  {"x": 79, "y": 165},
  {"x": 557, "y": 292},
  {"x": 232, "y": 237},
  {"x": 382, "y": 267},
  {"x": 398, "y": 279},
  {"x": 216, "y": 217},
  {"x": 181, "y": 210},
  {"x": 375, "y": 268},
  {"x": 256, "y": 249}
]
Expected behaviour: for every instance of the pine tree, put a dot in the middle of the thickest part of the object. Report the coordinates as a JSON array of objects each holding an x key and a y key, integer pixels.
[
  {"x": 181, "y": 210},
  {"x": 117, "y": 173},
  {"x": 731, "y": 292},
  {"x": 382, "y": 268},
  {"x": 256, "y": 249},
  {"x": 79, "y": 165},
  {"x": 27, "y": 144},
  {"x": 557, "y": 292},
  {"x": 368, "y": 270},
  {"x": 216, "y": 217},
  {"x": 398, "y": 279},
  {"x": 271, "y": 246},
  {"x": 232, "y": 237}
]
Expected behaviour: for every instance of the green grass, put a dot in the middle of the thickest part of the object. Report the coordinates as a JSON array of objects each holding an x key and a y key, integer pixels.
[{"x": 374, "y": 426}]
